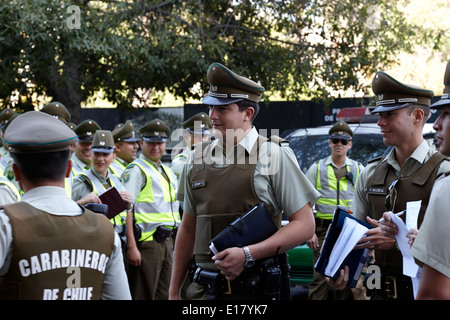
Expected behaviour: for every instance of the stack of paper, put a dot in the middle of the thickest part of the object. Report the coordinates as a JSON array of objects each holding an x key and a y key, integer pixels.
[{"x": 351, "y": 233}]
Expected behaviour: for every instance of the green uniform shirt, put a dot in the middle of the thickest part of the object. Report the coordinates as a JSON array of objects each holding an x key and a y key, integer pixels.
[
  {"x": 77, "y": 164},
  {"x": 278, "y": 180},
  {"x": 81, "y": 187},
  {"x": 360, "y": 205}
]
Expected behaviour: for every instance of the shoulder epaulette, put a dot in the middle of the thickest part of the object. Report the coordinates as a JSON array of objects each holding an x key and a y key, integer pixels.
[
  {"x": 280, "y": 141},
  {"x": 375, "y": 160}
]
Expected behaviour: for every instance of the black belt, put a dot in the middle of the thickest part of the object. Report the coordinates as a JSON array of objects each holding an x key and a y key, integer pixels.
[
  {"x": 323, "y": 223},
  {"x": 395, "y": 287},
  {"x": 214, "y": 283}
]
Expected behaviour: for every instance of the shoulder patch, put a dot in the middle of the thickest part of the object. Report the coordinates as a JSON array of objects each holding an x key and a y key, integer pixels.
[{"x": 10, "y": 175}]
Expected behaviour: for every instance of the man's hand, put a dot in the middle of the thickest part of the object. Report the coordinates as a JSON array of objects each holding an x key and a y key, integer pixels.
[
  {"x": 230, "y": 262},
  {"x": 313, "y": 243},
  {"x": 341, "y": 282},
  {"x": 412, "y": 236},
  {"x": 388, "y": 228},
  {"x": 375, "y": 239}
]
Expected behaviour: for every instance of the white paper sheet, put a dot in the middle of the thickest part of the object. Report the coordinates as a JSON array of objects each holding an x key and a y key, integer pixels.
[
  {"x": 410, "y": 268},
  {"x": 351, "y": 233}
]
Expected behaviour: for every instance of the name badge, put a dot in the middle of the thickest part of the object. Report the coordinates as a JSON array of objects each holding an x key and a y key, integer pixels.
[
  {"x": 198, "y": 184},
  {"x": 377, "y": 190}
]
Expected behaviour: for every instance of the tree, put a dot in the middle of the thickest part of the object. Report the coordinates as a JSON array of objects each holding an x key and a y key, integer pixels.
[{"x": 313, "y": 49}]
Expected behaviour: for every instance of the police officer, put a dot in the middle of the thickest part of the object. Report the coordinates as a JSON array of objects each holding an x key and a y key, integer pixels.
[
  {"x": 215, "y": 191},
  {"x": 430, "y": 248},
  {"x": 197, "y": 129},
  {"x": 81, "y": 158},
  {"x": 335, "y": 178},
  {"x": 153, "y": 187},
  {"x": 60, "y": 237},
  {"x": 406, "y": 174},
  {"x": 126, "y": 145},
  {"x": 90, "y": 184}
]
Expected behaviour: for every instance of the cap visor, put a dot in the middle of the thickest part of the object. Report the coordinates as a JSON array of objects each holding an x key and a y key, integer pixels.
[
  {"x": 213, "y": 101},
  {"x": 389, "y": 107},
  {"x": 340, "y": 136},
  {"x": 102, "y": 150},
  {"x": 86, "y": 138},
  {"x": 440, "y": 103},
  {"x": 129, "y": 139},
  {"x": 154, "y": 139},
  {"x": 202, "y": 131}
]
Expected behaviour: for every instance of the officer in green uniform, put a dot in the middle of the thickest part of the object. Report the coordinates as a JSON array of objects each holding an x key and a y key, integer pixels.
[
  {"x": 126, "y": 145},
  {"x": 197, "y": 129},
  {"x": 60, "y": 237},
  {"x": 81, "y": 158},
  {"x": 406, "y": 174},
  {"x": 430, "y": 248},
  {"x": 335, "y": 178},
  {"x": 153, "y": 187},
  {"x": 215, "y": 191},
  {"x": 91, "y": 183}
]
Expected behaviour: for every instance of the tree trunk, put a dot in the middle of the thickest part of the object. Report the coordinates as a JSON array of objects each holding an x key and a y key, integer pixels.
[{"x": 66, "y": 88}]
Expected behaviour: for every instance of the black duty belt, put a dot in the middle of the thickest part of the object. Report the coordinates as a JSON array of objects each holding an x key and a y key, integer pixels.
[{"x": 214, "y": 283}]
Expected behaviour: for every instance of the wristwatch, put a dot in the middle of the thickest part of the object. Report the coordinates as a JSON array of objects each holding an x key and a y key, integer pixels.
[{"x": 249, "y": 262}]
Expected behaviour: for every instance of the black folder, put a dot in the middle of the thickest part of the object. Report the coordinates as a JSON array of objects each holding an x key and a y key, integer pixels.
[
  {"x": 355, "y": 260},
  {"x": 252, "y": 227}
]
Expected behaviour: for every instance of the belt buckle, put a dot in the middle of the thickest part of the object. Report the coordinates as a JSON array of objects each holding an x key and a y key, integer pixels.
[
  {"x": 229, "y": 288},
  {"x": 391, "y": 292}
]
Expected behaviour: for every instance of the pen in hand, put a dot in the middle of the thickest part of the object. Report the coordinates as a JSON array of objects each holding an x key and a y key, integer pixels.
[{"x": 397, "y": 214}]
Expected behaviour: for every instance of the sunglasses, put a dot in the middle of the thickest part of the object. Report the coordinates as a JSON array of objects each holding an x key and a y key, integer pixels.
[
  {"x": 343, "y": 141},
  {"x": 391, "y": 198}
]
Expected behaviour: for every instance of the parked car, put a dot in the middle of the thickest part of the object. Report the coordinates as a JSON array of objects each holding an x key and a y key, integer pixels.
[{"x": 311, "y": 144}]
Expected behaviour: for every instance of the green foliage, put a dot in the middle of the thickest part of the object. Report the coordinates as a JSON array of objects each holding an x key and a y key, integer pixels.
[{"x": 294, "y": 48}]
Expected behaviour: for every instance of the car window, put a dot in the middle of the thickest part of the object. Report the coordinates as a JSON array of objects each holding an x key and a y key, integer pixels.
[
  {"x": 308, "y": 149},
  {"x": 311, "y": 144}
]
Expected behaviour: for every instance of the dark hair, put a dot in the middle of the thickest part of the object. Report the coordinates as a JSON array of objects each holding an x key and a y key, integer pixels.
[
  {"x": 244, "y": 104},
  {"x": 48, "y": 166}
]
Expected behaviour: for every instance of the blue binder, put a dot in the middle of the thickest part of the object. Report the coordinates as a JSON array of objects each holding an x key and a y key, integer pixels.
[{"x": 355, "y": 259}]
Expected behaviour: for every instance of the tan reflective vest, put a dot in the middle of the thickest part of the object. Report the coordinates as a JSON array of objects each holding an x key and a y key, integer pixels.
[
  {"x": 56, "y": 257},
  {"x": 221, "y": 195}
]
